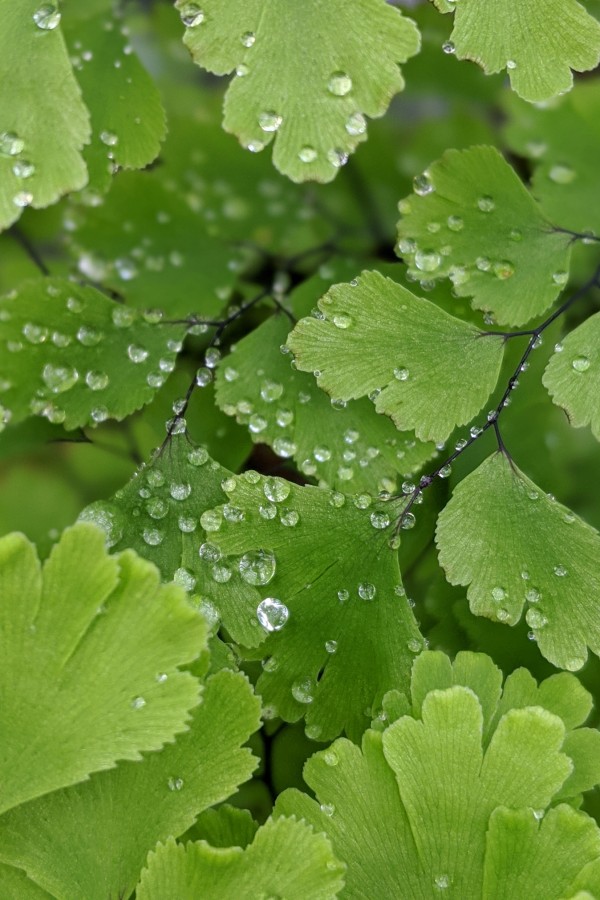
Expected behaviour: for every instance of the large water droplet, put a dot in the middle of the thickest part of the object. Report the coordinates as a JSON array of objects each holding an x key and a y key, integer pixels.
[
  {"x": 257, "y": 567},
  {"x": 191, "y": 15},
  {"x": 581, "y": 364},
  {"x": 10, "y": 144},
  {"x": 272, "y": 614},
  {"x": 303, "y": 690},
  {"x": 276, "y": 489},
  {"x": 46, "y": 17},
  {"x": 59, "y": 378}
]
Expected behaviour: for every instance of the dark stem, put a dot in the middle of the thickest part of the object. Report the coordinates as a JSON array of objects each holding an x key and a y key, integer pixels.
[{"x": 24, "y": 242}]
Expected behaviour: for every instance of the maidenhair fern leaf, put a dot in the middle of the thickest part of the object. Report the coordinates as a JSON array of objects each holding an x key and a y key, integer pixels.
[{"x": 573, "y": 375}]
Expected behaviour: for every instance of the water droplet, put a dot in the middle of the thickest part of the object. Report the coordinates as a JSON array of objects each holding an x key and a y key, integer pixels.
[
  {"x": 272, "y": 614},
  {"x": 152, "y": 536},
  {"x": 380, "y": 520},
  {"x": 109, "y": 138},
  {"x": 88, "y": 337},
  {"x": 486, "y": 204},
  {"x": 268, "y": 511},
  {"x": 137, "y": 354},
  {"x": 422, "y": 185},
  {"x": 211, "y": 519},
  {"x": 337, "y": 157},
  {"x": 107, "y": 517},
  {"x": 498, "y": 594},
  {"x": 97, "y": 381},
  {"x": 204, "y": 377},
  {"x": 221, "y": 574},
  {"x": 407, "y": 521},
  {"x": 581, "y": 364},
  {"x": 502, "y": 615},
  {"x": 562, "y": 174},
  {"x": 330, "y": 757},
  {"x": 284, "y": 447},
  {"x": 341, "y": 320},
  {"x": 427, "y": 260},
  {"x": 242, "y": 70},
  {"x": 198, "y": 456},
  {"x": 59, "y": 378},
  {"x": 187, "y": 524},
  {"x": 560, "y": 571},
  {"x": 516, "y": 235},
  {"x": 175, "y": 784},
  {"x": 533, "y": 595},
  {"x": 327, "y": 809},
  {"x": 339, "y": 84},
  {"x": 276, "y": 489},
  {"x": 366, "y": 590},
  {"x": 445, "y": 471},
  {"x": 180, "y": 491},
  {"x": 441, "y": 882},
  {"x": 511, "y": 64},
  {"x": 535, "y": 618},
  {"x": 331, "y": 646},
  {"x": 270, "y": 121},
  {"x": 209, "y": 552},
  {"x": 289, "y": 517},
  {"x": 356, "y": 124},
  {"x": 257, "y": 567},
  {"x": 307, "y": 154},
  {"x": 161, "y": 677},
  {"x": 11, "y": 144},
  {"x": 138, "y": 703},
  {"x": 448, "y": 47},
  {"x": 504, "y": 269},
  {"x": 455, "y": 223},
  {"x": 22, "y": 199},
  {"x": 303, "y": 690},
  {"x": 123, "y": 317},
  {"x": 248, "y": 38},
  {"x": 191, "y": 15},
  {"x": 233, "y": 513},
  {"x": 271, "y": 391},
  {"x": 185, "y": 579},
  {"x": 23, "y": 169},
  {"x": 46, "y": 17},
  {"x": 157, "y": 508}
]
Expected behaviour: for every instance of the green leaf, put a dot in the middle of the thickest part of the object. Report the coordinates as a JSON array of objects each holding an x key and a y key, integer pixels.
[
  {"x": 302, "y": 73},
  {"x": 538, "y": 47},
  {"x": 305, "y": 867},
  {"x": 226, "y": 826},
  {"x": 351, "y": 449},
  {"x": 472, "y": 220},
  {"x": 44, "y": 121},
  {"x": 15, "y": 883},
  {"x": 537, "y": 860},
  {"x": 573, "y": 375},
  {"x": 376, "y": 338},
  {"x": 326, "y": 562},
  {"x": 128, "y": 121},
  {"x": 514, "y": 545},
  {"x": 70, "y": 350},
  {"x": 413, "y": 807},
  {"x": 80, "y": 660},
  {"x": 137, "y": 804},
  {"x": 561, "y": 140},
  {"x": 150, "y": 246}
]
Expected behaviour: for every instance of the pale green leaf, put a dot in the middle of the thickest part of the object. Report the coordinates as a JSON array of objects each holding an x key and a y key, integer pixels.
[
  {"x": 537, "y": 860},
  {"x": 127, "y": 118},
  {"x": 226, "y": 826},
  {"x": 350, "y": 449},
  {"x": 425, "y": 369},
  {"x": 137, "y": 804},
  {"x": 44, "y": 120},
  {"x": 286, "y": 859},
  {"x": 83, "y": 639},
  {"x": 513, "y": 545},
  {"x": 538, "y": 45},
  {"x": 472, "y": 220},
  {"x": 308, "y": 74},
  {"x": 15, "y": 883},
  {"x": 412, "y": 808},
  {"x": 573, "y": 375},
  {"x": 351, "y": 635},
  {"x": 68, "y": 351}
]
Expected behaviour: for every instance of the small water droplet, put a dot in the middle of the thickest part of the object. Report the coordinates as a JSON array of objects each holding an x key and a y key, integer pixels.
[
  {"x": 448, "y": 47},
  {"x": 455, "y": 223},
  {"x": 46, "y": 17},
  {"x": 191, "y": 15},
  {"x": 331, "y": 646},
  {"x": 562, "y": 174},
  {"x": 303, "y": 690},
  {"x": 257, "y": 567},
  {"x": 109, "y": 138},
  {"x": 272, "y": 614},
  {"x": 307, "y": 154},
  {"x": 136, "y": 353},
  {"x": 379, "y": 520},
  {"x": 330, "y": 757},
  {"x": 248, "y": 38},
  {"x": 11, "y": 144},
  {"x": 581, "y": 364},
  {"x": 327, "y": 809},
  {"x": 339, "y": 84},
  {"x": 270, "y": 121},
  {"x": 138, "y": 703},
  {"x": 427, "y": 260},
  {"x": 366, "y": 590},
  {"x": 504, "y": 269},
  {"x": 422, "y": 185},
  {"x": 486, "y": 204},
  {"x": 356, "y": 124},
  {"x": 175, "y": 784},
  {"x": 185, "y": 579},
  {"x": 560, "y": 571}
]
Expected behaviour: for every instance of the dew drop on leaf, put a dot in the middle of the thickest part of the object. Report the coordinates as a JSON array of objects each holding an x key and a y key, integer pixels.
[{"x": 272, "y": 614}]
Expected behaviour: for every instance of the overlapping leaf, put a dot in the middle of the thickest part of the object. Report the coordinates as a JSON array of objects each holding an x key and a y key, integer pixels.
[
  {"x": 324, "y": 561},
  {"x": 561, "y": 140},
  {"x": 473, "y": 221},
  {"x": 307, "y": 76},
  {"x": 421, "y": 366},
  {"x": 44, "y": 120},
  {"x": 68, "y": 351},
  {"x": 351, "y": 448},
  {"x": 84, "y": 640},
  {"x": 573, "y": 375},
  {"x": 127, "y": 118},
  {"x": 137, "y": 804},
  {"x": 306, "y": 868},
  {"x": 515, "y": 546},
  {"x": 443, "y": 790},
  {"x": 538, "y": 46}
]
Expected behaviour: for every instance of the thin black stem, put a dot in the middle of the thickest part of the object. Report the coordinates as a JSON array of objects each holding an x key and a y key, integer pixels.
[
  {"x": 24, "y": 242},
  {"x": 406, "y": 518},
  {"x": 588, "y": 237}
]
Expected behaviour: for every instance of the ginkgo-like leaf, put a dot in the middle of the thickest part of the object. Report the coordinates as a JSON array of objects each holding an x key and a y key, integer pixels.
[
  {"x": 227, "y": 826},
  {"x": 573, "y": 375},
  {"x": 538, "y": 45},
  {"x": 472, "y": 220},
  {"x": 317, "y": 571},
  {"x": 83, "y": 641},
  {"x": 304, "y": 74},
  {"x": 68, "y": 351},
  {"x": 15, "y": 883},
  {"x": 44, "y": 122},
  {"x": 561, "y": 140},
  {"x": 425, "y": 369},
  {"x": 513, "y": 546},
  {"x": 305, "y": 867},
  {"x": 351, "y": 448},
  {"x": 127, "y": 118},
  {"x": 437, "y": 786},
  {"x": 137, "y": 804}
]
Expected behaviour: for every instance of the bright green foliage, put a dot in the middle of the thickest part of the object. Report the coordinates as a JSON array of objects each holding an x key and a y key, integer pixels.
[
  {"x": 538, "y": 43},
  {"x": 127, "y": 118},
  {"x": 351, "y": 634},
  {"x": 351, "y": 448},
  {"x": 514, "y": 545},
  {"x": 79, "y": 662},
  {"x": 315, "y": 102},
  {"x": 306, "y": 868},
  {"x": 561, "y": 140},
  {"x": 226, "y": 826},
  {"x": 414, "y": 806},
  {"x": 573, "y": 375},
  {"x": 376, "y": 338},
  {"x": 471, "y": 220},
  {"x": 68, "y": 350},
  {"x": 44, "y": 123},
  {"x": 15, "y": 883},
  {"x": 137, "y": 804}
]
